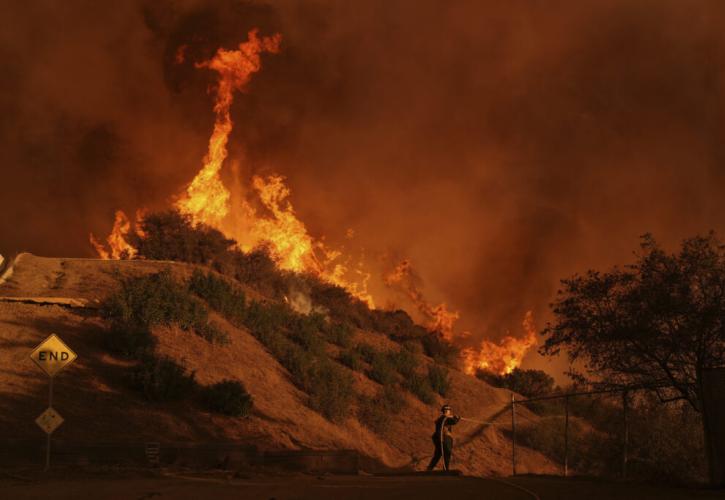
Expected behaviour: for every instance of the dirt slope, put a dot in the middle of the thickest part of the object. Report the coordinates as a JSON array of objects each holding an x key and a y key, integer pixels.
[{"x": 93, "y": 398}]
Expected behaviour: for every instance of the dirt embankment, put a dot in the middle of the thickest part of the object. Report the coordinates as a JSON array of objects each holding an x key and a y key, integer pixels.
[{"x": 53, "y": 295}]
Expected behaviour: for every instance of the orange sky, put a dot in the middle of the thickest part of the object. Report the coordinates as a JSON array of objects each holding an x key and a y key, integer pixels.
[{"x": 498, "y": 146}]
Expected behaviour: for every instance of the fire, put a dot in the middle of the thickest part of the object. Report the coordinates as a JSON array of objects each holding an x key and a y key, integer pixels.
[
  {"x": 499, "y": 358},
  {"x": 503, "y": 357},
  {"x": 263, "y": 214},
  {"x": 439, "y": 318},
  {"x": 118, "y": 247},
  {"x": 207, "y": 199},
  {"x": 292, "y": 246}
]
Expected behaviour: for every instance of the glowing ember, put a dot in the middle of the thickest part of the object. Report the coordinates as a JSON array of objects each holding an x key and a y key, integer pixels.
[{"x": 503, "y": 357}]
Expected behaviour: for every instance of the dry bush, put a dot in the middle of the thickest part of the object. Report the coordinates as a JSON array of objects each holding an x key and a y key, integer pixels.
[
  {"x": 439, "y": 380},
  {"x": 172, "y": 236},
  {"x": 377, "y": 412},
  {"x": 228, "y": 397},
  {"x": 146, "y": 301},
  {"x": 162, "y": 379},
  {"x": 420, "y": 386}
]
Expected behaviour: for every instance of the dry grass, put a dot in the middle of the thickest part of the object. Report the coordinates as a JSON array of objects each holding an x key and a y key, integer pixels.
[{"x": 98, "y": 406}]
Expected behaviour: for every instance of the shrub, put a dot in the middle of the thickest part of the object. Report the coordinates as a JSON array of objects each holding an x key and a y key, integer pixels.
[
  {"x": 341, "y": 306},
  {"x": 366, "y": 352},
  {"x": 267, "y": 317},
  {"x": 338, "y": 333},
  {"x": 162, "y": 379},
  {"x": 547, "y": 436},
  {"x": 228, "y": 397},
  {"x": 129, "y": 339},
  {"x": 403, "y": 361},
  {"x": 172, "y": 236},
  {"x": 257, "y": 269},
  {"x": 396, "y": 324},
  {"x": 351, "y": 359},
  {"x": 392, "y": 399},
  {"x": 220, "y": 295},
  {"x": 382, "y": 370},
  {"x": 298, "y": 362},
  {"x": 546, "y": 407},
  {"x": 330, "y": 389},
  {"x": 305, "y": 331},
  {"x": 420, "y": 387},
  {"x": 153, "y": 300},
  {"x": 439, "y": 380},
  {"x": 143, "y": 302},
  {"x": 213, "y": 334},
  {"x": 372, "y": 415},
  {"x": 442, "y": 351},
  {"x": 530, "y": 383},
  {"x": 413, "y": 346},
  {"x": 667, "y": 442},
  {"x": 492, "y": 379},
  {"x": 377, "y": 412}
]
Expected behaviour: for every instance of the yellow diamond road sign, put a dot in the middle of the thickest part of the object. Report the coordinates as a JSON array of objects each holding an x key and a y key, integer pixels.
[
  {"x": 49, "y": 420},
  {"x": 52, "y": 355}
]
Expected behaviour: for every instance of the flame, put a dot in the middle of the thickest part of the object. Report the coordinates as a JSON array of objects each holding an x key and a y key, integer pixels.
[
  {"x": 503, "y": 357},
  {"x": 439, "y": 318},
  {"x": 292, "y": 246},
  {"x": 118, "y": 247},
  {"x": 290, "y": 243},
  {"x": 264, "y": 215},
  {"x": 207, "y": 199}
]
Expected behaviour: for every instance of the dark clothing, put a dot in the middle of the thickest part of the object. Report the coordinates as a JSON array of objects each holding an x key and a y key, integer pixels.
[
  {"x": 445, "y": 448},
  {"x": 443, "y": 441}
]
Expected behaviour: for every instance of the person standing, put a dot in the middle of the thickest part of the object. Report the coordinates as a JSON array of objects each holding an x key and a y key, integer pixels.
[{"x": 443, "y": 437}]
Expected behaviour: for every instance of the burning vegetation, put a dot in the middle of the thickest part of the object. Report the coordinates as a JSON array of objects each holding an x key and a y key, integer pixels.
[{"x": 260, "y": 222}]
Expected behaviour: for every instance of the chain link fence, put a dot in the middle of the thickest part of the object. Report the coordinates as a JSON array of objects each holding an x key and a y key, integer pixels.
[{"x": 627, "y": 434}]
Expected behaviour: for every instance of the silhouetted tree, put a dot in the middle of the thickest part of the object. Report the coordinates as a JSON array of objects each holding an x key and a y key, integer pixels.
[{"x": 657, "y": 322}]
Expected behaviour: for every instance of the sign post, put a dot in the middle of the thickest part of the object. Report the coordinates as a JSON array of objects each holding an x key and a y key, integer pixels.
[{"x": 52, "y": 355}]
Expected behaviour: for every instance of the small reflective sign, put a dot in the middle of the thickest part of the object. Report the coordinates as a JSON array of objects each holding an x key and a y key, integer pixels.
[
  {"x": 49, "y": 420},
  {"x": 52, "y": 355}
]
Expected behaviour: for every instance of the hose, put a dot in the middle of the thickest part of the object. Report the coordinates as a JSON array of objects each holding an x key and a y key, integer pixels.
[{"x": 478, "y": 421}]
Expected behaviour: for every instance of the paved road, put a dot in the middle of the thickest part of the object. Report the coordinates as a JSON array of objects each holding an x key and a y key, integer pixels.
[
  {"x": 284, "y": 488},
  {"x": 555, "y": 488},
  {"x": 188, "y": 487}
]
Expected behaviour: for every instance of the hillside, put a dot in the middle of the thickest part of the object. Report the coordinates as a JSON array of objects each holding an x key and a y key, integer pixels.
[{"x": 40, "y": 296}]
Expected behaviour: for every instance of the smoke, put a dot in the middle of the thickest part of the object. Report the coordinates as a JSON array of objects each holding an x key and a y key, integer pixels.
[{"x": 498, "y": 146}]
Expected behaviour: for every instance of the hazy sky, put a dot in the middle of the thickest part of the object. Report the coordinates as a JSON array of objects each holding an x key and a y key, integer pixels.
[{"x": 500, "y": 146}]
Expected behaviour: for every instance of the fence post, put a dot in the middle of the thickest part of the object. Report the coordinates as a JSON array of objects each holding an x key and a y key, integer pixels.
[
  {"x": 513, "y": 433},
  {"x": 625, "y": 439},
  {"x": 566, "y": 435}
]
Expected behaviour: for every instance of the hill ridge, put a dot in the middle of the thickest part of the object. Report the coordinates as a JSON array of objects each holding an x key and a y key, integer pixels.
[{"x": 280, "y": 419}]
